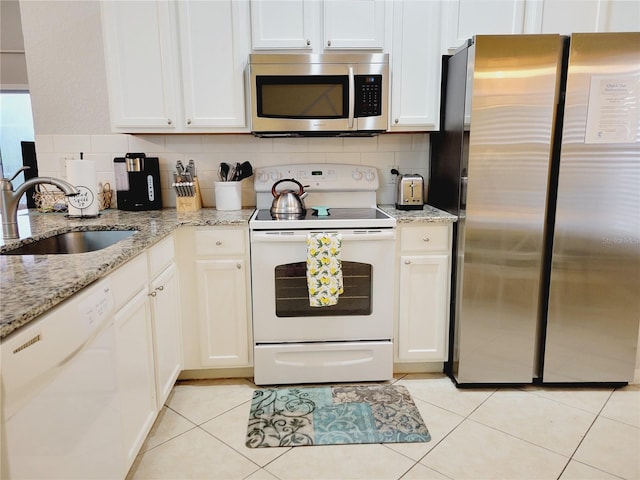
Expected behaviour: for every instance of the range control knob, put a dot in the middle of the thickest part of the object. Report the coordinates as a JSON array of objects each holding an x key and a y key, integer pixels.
[
  {"x": 357, "y": 175},
  {"x": 263, "y": 177},
  {"x": 275, "y": 175},
  {"x": 369, "y": 176}
]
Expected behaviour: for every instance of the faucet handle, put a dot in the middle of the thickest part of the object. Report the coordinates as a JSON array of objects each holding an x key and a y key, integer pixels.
[{"x": 20, "y": 170}]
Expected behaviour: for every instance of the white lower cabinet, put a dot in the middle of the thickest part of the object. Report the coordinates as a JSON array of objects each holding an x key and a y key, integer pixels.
[
  {"x": 164, "y": 294},
  {"x": 215, "y": 286},
  {"x": 135, "y": 372},
  {"x": 222, "y": 312},
  {"x": 424, "y": 293},
  {"x": 165, "y": 304}
]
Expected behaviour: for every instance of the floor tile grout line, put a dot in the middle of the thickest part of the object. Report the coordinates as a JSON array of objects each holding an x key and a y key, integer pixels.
[
  {"x": 567, "y": 404},
  {"x": 585, "y": 436},
  {"x": 517, "y": 438}
]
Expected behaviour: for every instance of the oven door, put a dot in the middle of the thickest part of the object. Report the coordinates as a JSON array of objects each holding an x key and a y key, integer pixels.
[{"x": 281, "y": 311}]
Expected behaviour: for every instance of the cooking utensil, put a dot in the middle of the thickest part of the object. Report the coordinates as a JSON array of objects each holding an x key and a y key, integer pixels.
[
  {"x": 244, "y": 170},
  {"x": 288, "y": 202},
  {"x": 232, "y": 173},
  {"x": 224, "y": 172}
]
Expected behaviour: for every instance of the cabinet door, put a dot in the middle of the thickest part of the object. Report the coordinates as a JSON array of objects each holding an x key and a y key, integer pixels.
[
  {"x": 570, "y": 16},
  {"x": 424, "y": 308},
  {"x": 277, "y": 24},
  {"x": 164, "y": 291},
  {"x": 140, "y": 62},
  {"x": 354, "y": 24},
  {"x": 416, "y": 66},
  {"x": 463, "y": 19},
  {"x": 135, "y": 370},
  {"x": 222, "y": 312},
  {"x": 214, "y": 45}
]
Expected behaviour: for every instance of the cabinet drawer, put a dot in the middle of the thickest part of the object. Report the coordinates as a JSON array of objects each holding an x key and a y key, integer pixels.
[
  {"x": 127, "y": 280},
  {"x": 161, "y": 255},
  {"x": 219, "y": 242},
  {"x": 425, "y": 239}
]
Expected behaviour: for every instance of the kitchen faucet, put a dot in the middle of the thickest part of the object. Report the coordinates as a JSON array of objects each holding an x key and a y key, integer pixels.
[{"x": 9, "y": 199}]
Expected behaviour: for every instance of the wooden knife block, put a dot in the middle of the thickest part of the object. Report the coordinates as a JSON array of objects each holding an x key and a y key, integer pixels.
[{"x": 190, "y": 204}]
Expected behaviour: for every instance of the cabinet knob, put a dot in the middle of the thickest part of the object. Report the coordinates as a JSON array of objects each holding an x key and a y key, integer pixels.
[
  {"x": 239, "y": 266},
  {"x": 328, "y": 43},
  {"x": 407, "y": 262},
  {"x": 426, "y": 239},
  {"x": 219, "y": 242},
  {"x": 160, "y": 288},
  {"x": 308, "y": 42},
  {"x": 188, "y": 121},
  {"x": 169, "y": 121},
  {"x": 153, "y": 294},
  {"x": 396, "y": 121}
]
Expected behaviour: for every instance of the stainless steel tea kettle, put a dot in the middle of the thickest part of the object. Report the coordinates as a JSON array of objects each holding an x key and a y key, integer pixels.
[{"x": 288, "y": 203}]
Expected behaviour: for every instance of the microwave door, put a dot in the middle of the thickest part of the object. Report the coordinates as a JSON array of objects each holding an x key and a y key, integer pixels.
[{"x": 304, "y": 103}]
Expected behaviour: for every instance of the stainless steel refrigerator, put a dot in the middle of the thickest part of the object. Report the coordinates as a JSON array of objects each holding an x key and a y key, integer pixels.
[{"x": 539, "y": 156}]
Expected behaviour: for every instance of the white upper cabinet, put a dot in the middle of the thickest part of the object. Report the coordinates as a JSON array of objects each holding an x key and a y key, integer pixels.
[
  {"x": 354, "y": 24},
  {"x": 462, "y": 19},
  {"x": 318, "y": 26},
  {"x": 416, "y": 65},
  {"x": 140, "y": 56},
  {"x": 572, "y": 16},
  {"x": 287, "y": 24},
  {"x": 214, "y": 45},
  {"x": 176, "y": 67}
]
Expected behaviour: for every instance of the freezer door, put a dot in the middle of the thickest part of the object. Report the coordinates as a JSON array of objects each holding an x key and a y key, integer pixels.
[
  {"x": 594, "y": 301},
  {"x": 501, "y": 235}
]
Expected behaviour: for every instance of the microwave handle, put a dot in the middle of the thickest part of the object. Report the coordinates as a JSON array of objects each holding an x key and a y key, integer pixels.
[{"x": 352, "y": 100}]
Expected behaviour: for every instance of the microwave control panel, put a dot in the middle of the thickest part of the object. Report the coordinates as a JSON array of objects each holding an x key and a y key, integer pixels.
[{"x": 368, "y": 95}]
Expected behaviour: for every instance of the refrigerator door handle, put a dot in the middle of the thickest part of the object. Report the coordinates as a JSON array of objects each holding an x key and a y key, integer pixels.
[{"x": 463, "y": 191}]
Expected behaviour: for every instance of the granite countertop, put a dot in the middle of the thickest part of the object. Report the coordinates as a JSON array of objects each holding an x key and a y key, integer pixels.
[
  {"x": 428, "y": 214},
  {"x": 30, "y": 285}
]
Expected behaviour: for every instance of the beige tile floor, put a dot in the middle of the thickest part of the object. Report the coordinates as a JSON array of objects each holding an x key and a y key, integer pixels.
[{"x": 507, "y": 433}]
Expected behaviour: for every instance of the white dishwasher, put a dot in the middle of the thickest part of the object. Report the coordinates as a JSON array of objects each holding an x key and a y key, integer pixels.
[{"x": 60, "y": 404}]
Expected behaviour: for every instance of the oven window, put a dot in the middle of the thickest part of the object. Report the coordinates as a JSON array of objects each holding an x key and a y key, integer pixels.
[
  {"x": 305, "y": 97},
  {"x": 292, "y": 296}
]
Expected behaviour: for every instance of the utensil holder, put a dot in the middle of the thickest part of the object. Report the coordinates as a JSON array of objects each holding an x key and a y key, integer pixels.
[
  {"x": 190, "y": 204},
  {"x": 228, "y": 195}
]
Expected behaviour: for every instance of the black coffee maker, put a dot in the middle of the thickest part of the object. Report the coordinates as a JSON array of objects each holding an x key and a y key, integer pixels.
[{"x": 137, "y": 182}]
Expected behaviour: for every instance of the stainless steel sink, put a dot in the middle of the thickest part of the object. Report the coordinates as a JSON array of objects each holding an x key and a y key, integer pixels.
[{"x": 72, "y": 242}]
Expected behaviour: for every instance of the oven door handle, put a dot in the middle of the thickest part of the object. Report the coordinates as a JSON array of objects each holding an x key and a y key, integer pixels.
[{"x": 352, "y": 235}]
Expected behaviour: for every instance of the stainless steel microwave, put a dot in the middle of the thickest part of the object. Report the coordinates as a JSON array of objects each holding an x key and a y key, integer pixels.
[{"x": 319, "y": 94}]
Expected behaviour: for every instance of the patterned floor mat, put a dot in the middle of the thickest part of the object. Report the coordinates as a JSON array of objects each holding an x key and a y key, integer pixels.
[{"x": 331, "y": 415}]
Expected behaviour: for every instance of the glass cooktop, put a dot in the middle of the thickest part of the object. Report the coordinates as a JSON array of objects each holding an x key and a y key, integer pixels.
[
  {"x": 332, "y": 214},
  {"x": 312, "y": 218}
]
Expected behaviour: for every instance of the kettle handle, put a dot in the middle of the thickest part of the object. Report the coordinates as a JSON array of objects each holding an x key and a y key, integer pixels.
[{"x": 273, "y": 189}]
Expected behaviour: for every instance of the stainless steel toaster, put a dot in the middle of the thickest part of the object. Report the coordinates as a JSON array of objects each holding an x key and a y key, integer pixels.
[{"x": 410, "y": 192}]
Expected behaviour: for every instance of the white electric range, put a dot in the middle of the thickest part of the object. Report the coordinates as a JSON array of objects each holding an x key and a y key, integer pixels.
[{"x": 349, "y": 341}]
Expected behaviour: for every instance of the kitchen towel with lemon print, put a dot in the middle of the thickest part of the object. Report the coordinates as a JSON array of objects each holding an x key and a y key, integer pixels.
[{"x": 324, "y": 269}]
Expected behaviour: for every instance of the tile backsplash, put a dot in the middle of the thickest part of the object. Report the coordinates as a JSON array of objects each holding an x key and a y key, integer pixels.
[{"x": 408, "y": 152}]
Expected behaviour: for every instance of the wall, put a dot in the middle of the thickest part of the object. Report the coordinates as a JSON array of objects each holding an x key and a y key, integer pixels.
[{"x": 67, "y": 79}]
